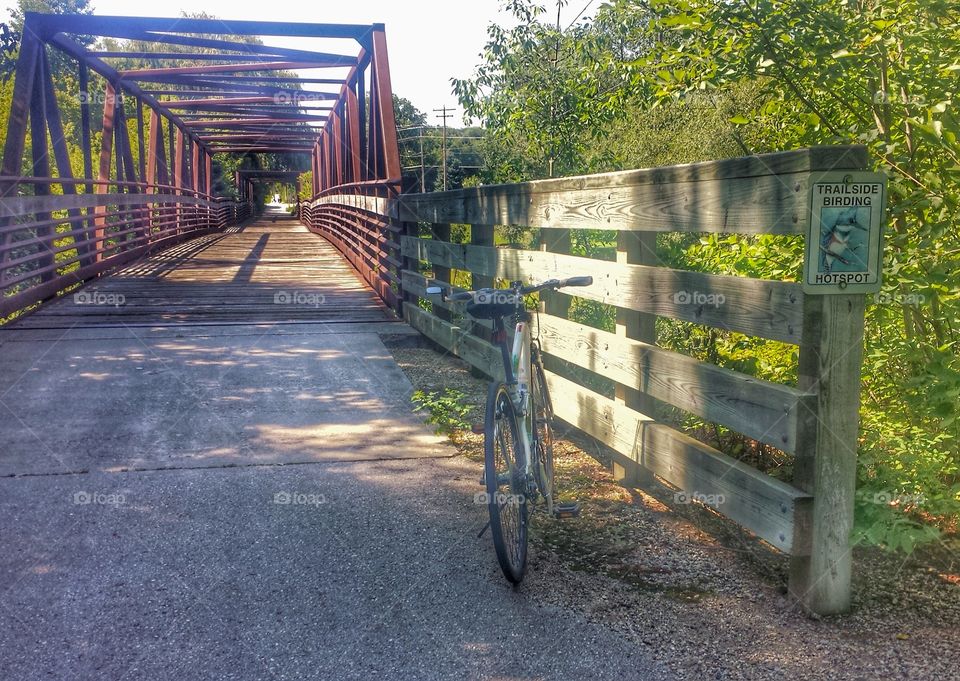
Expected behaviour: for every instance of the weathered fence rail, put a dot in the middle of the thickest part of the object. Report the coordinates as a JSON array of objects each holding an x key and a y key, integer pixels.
[
  {"x": 815, "y": 421},
  {"x": 50, "y": 242}
]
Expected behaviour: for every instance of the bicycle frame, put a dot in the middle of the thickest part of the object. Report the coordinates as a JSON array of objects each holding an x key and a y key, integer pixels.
[{"x": 517, "y": 376}]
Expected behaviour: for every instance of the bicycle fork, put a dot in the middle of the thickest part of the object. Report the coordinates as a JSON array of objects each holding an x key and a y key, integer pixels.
[{"x": 520, "y": 363}]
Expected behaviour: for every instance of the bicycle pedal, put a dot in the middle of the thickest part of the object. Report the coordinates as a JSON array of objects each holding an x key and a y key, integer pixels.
[
  {"x": 477, "y": 429},
  {"x": 570, "y": 509}
]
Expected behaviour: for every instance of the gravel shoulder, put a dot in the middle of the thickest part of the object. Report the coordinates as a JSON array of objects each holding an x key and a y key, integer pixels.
[{"x": 701, "y": 597}]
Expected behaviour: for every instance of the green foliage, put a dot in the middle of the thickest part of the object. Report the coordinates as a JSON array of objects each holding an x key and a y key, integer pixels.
[
  {"x": 406, "y": 113},
  {"x": 306, "y": 186},
  {"x": 447, "y": 410},
  {"x": 878, "y": 524},
  {"x": 878, "y": 73},
  {"x": 592, "y": 313}
]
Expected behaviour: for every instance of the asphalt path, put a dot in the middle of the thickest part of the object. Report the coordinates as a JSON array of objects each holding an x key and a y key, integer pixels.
[{"x": 252, "y": 502}]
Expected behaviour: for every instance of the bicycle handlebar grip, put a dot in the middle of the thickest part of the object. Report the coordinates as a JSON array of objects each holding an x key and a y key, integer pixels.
[{"x": 577, "y": 281}]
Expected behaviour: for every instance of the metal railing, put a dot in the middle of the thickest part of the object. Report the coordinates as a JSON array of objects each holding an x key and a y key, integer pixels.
[
  {"x": 53, "y": 239},
  {"x": 360, "y": 220}
]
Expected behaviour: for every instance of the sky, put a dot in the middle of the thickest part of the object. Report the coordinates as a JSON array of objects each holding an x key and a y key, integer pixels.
[{"x": 428, "y": 42}]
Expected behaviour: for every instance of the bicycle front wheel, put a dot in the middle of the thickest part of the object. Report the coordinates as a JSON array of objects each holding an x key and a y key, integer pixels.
[{"x": 506, "y": 488}]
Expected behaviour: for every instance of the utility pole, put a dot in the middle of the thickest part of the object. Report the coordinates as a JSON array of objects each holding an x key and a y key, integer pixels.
[
  {"x": 553, "y": 110},
  {"x": 423, "y": 172},
  {"x": 444, "y": 115}
]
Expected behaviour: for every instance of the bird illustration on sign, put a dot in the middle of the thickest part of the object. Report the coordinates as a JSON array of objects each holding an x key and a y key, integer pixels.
[{"x": 843, "y": 233}]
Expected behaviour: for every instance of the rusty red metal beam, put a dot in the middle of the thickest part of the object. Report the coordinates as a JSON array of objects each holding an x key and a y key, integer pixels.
[
  {"x": 388, "y": 124},
  {"x": 266, "y": 92},
  {"x": 200, "y": 103},
  {"x": 264, "y": 150},
  {"x": 315, "y": 113},
  {"x": 276, "y": 129},
  {"x": 268, "y": 173},
  {"x": 239, "y": 123},
  {"x": 212, "y": 108},
  {"x": 107, "y": 25},
  {"x": 257, "y": 137},
  {"x": 250, "y": 48},
  {"x": 135, "y": 74},
  {"x": 321, "y": 60},
  {"x": 274, "y": 79}
]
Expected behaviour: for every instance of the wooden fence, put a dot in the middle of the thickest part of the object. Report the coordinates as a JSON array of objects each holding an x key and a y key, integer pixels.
[
  {"x": 815, "y": 421},
  {"x": 51, "y": 242}
]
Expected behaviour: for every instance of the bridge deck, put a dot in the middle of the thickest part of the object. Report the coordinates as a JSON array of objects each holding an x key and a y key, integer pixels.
[{"x": 272, "y": 271}]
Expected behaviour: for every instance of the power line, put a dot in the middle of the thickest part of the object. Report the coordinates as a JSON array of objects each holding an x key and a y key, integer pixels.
[
  {"x": 585, "y": 8},
  {"x": 444, "y": 115}
]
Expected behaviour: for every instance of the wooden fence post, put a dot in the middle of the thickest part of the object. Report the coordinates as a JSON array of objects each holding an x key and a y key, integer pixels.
[
  {"x": 441, "y": 232},
  {"x": 481, "y": 235},
  {"x": 826, "y": 459},
  {"x": 635, "y": 248},
  {"x": 555, "y": 241},
  {"x": 411, "y": 228}
]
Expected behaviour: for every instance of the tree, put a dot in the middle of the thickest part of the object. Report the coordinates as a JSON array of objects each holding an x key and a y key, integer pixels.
[
  {"x": 407, "y": 114},
  {"x": 537, "y": 93}
]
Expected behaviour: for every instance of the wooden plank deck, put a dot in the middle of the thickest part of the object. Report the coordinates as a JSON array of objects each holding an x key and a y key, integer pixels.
[{"x": 268, "y": 271}]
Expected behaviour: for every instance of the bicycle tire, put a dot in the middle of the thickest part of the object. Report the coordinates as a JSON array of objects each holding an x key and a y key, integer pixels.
[
  {"x": 506, "y": 488},
  {"x": 542, "y": 412}
]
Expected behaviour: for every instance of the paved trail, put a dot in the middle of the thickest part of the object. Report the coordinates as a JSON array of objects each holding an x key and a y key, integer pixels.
[{"x": 221, "y": 478}]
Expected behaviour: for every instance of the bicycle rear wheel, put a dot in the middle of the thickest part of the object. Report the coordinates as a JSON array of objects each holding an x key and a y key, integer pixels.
[
  {"x": 506, "y": 488},
  {"x": 542, "y": 412}
]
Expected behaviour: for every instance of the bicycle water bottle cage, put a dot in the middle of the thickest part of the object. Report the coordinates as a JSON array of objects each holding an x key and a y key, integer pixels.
[{"x": 492, "y": 303}]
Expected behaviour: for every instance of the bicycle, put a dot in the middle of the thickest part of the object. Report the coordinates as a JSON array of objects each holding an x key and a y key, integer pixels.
[{"x": 518, "y": 434}]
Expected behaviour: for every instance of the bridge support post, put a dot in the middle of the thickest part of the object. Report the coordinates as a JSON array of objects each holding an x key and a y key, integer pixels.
[
  {"x": 179, "y": 173},
  {"x": 103, "y": 176},
  {"x": 481, "y": 235},
  {"x": 15, "y": 143}
]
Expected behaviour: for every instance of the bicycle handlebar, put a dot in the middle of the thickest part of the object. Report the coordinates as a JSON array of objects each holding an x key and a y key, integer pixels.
[{"x": 549, "y": 284}]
